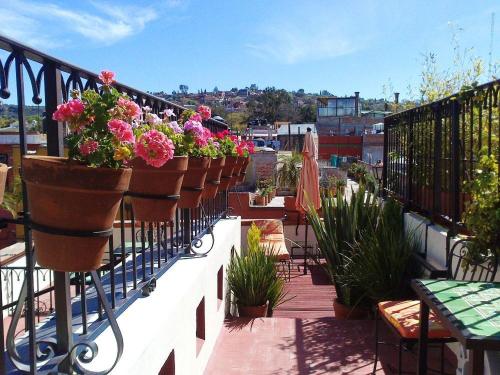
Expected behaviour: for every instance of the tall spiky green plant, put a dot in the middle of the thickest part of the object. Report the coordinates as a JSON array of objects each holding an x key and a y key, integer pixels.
[
  {"x": 380, "y": 264},
  {"x": 254, "y": 279},
  {"x": 342, "y": 225}
]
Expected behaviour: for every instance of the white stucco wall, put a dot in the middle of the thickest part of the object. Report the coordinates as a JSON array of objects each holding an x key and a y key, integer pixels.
[{"x": 166, "y": 320}]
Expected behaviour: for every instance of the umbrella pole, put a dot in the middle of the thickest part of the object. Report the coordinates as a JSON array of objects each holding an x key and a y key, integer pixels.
[{"x": 305, "y": 245}]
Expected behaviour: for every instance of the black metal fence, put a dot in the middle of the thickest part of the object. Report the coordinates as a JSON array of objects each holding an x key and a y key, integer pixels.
[
  {"x": 432, "y": 150},
  {"x": 139, "y": 254}
]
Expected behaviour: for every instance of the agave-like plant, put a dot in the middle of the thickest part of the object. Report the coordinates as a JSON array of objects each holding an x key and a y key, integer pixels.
[
  {"x": 380, "y": 265},
  {"x": 253, "y": 278},
  {"x": 342, "y": 225}
]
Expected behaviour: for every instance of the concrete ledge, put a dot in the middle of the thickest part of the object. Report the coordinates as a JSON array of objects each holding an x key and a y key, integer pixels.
[{"x": 154, "y": 326}]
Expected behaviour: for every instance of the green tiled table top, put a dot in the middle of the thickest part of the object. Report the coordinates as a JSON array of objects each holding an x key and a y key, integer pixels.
[{"x": 475, "y": 305}]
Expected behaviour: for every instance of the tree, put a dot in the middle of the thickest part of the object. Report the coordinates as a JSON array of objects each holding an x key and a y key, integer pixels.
[
  {"x": 308, "y": 113},
  {"x": 237, "y": 120},
  {"x": 183, "y": 89},
  {"x": 300, "y": 92},
  {"x": 216, "y": 90},
  {"x": 269, "y": 104}
]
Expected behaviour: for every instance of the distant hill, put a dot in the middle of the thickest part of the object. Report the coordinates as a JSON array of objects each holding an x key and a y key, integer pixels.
[{"x": 10, "y": 110}]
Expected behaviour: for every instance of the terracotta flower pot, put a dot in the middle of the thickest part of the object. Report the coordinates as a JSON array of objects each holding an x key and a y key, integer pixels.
[
  {"x": 64, "y": 195},
  {"x": 194, "y": 182},
  {"x": 227, "y": 172},
  {"x": 213, "y": 178},
  {"x": 260, "y": 200},
  {"x": 349, "y": 313},
  {"x": 243, "y": 171},
  {"x": 252, "y": 311},
  {"x": 237, "y": 170},
  {"x": 3, "y": 179},
  {"x": 163, "y": 181}
]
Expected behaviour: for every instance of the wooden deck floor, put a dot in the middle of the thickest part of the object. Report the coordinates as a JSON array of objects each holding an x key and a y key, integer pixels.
[
  {"x": 310, "y": 295},
  {"x": 303, "y": 337}
]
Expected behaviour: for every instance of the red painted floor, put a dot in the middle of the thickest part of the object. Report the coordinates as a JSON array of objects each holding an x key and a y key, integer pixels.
[
  {"x": 311, "y": 295},
  {"x": 303, "y": 337}
]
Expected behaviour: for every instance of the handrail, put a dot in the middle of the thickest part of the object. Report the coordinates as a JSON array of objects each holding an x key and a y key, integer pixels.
[
  {"x": 445, "y": 99},
  {"x": 432, "y": 151},
  {"x": 30, "y": 53}
]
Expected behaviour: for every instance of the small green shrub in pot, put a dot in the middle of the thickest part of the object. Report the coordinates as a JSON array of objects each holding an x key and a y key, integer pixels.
[
  {"x": 253, "y": 279},
  {"x": 288, "y": 172}
]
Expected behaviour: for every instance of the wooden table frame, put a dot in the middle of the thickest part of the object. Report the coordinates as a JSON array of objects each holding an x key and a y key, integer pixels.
[{"x": 478, "y": 344}]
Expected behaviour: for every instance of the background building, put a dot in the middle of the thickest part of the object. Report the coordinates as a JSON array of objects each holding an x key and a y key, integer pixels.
[{"x": 342, "y": 127}]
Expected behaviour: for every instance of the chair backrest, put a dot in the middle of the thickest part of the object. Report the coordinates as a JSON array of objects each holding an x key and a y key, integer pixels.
[{"x": 462, "y": 267}]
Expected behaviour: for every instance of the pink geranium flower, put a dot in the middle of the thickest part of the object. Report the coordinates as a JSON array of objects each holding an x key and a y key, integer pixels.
[
  {"x": 130, "y": 109},
  {"x": 107, "y": 77},
  {"x": 76, "y": 107},
  {"x": 88, "y": 147},
  {"x": 121, "y": 130},
  {"x": 155, "y": 148},
  {"x": 69, "y": 111},
  {"x": 195, "y": 117},
  {"x": 205, "y": 112}
]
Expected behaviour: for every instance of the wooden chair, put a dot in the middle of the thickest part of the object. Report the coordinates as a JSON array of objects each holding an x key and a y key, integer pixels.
[
  {"x": 273, "y": 241},
  {"x": 403, "y": 317}
]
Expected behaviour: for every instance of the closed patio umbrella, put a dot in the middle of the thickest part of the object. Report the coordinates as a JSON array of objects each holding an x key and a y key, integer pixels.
[{"x": 308, "y": 186}]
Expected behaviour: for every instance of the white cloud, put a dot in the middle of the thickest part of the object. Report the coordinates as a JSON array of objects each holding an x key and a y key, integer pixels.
[
  {"x": 305, "y": 36},
  {"x": 103, "y": 23},
  {"x": 24, "y": 29}
]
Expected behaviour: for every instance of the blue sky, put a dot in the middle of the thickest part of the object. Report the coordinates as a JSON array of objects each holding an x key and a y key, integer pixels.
[{"x": 341, "y": 46}]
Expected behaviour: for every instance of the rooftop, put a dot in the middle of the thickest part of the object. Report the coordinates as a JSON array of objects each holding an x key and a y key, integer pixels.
[{"x": 162, "y": 298}]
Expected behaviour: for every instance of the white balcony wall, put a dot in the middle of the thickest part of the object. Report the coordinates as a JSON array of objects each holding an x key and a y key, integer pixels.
[{"x": 166, "y": 320}]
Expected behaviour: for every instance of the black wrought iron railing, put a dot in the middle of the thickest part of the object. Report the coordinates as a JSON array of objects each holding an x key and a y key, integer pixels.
[
  {"x": 431, "y": 151},
  {"x": 139, "y": 252}
]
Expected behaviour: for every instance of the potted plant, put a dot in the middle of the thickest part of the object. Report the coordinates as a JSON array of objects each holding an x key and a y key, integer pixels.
[
  {"x": 381, "y": 265},
  {"x": 272, "y": 191},
  {"x": 324, "y": 185},
  {"x": 227, "y": 146},
  {"x": 158, "y": 167},
  {"x": 260, "y": 198},
  {"x": 81, "y": 193},
  {"x": 245, "y": 149},
  {"x": 342, "y": 226},
  {"x": 199, "y": 146},
  {"x": 482, "y": 213},
  {"x": 341, "y": 184},
  {"x": 213, "y": 179},
  {"x": 288, "y": 172},
  {"x": 254, "y": 281}
]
